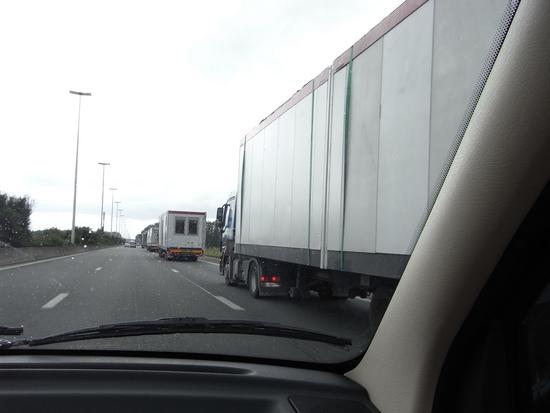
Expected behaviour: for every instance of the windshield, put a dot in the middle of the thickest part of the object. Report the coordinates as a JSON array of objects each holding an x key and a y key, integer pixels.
[{"x": 227, "y": 160}]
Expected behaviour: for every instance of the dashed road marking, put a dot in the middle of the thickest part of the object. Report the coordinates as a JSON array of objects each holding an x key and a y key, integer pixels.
[
  {"x": 98, "y": 269},
  {"x": 220, "y": 298},
  {"x": 54, "y": 301},
  {"x": 211, "y": 263},
  {"x": 174, "y": 270},
  {"x": 229, "y": 303}
]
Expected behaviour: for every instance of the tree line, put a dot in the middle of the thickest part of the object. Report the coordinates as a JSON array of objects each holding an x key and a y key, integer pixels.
[{"x": 15, "y": 220}]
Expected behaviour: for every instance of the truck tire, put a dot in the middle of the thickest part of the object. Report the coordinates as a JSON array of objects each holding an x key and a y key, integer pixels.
[
  {"x": 294, "y": 293},
  {"x": 253, "y": 279}
]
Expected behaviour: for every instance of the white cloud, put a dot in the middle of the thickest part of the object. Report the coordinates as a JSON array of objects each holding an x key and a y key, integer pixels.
[{"x": 175, "y": 86}]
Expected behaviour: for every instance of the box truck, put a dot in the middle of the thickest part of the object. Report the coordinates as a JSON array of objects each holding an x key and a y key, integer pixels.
[
  {"x": 182, "y": 235},
  {"x": 144, "y": 239},
  {"x": 153, "y": 239},
  {"x": 333, "y": 187}
]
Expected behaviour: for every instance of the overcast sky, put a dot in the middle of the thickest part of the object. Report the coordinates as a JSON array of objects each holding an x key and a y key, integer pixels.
[{"x": 175, "y": 85}]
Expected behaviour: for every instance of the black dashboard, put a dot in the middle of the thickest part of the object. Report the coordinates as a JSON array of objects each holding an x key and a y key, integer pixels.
[{"x": 45, "y": 383}]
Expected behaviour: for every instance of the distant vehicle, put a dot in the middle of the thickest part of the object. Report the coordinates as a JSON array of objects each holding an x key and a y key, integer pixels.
[
  {"x": 182, "y": 235},
  {"x": 152, "y": 239},
  {"x": 130, "y": 243}
]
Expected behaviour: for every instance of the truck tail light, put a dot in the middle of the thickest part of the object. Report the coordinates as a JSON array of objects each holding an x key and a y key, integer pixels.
[{"x": 270, "y": 280}]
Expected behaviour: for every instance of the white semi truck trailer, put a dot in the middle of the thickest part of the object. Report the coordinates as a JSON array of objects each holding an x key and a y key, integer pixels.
[
  {"x": 182, "y": 235},
  {"x": 152, "y": 239},
  {"x": 335, "y": 185}
]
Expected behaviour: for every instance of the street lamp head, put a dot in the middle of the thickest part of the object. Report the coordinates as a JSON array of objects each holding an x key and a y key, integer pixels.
[
  {"x": 112, "y": 189},
  {"x": 80, "y": 93},
  {"x": 104, "y": 163}
]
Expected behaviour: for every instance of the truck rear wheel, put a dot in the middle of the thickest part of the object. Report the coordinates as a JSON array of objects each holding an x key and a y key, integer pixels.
[
  {"x": 294, "y": 293},
  {"x": 253, "y": 279}
]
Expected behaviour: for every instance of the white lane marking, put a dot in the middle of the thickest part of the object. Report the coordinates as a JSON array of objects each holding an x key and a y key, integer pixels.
[
  {"x": 54, "y": 301},
  {"x": 211, "y": 263},
  {"x": 45, "y": 260},
  {"x": 221, "y": 299},
  {"x": 174, "y": 270},
  {"x": 98, "y": 269},
  {"x": 229, "y": 303}
]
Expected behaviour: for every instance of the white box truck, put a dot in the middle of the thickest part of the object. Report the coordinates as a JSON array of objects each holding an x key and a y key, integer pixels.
[
  {"x": 333, "y": 187},
  {"x": 182, "y": 235},
  {"x": 152, "y": 239}
]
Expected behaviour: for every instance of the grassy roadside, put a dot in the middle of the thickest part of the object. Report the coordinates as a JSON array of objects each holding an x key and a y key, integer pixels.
[
  {"x": 213, "y": 252},
  {"x": 11, "y": 256}
]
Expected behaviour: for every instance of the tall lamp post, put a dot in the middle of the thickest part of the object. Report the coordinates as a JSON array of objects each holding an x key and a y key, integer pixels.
[
  {"x": 112, "y": 205},
  {"x": 121, "y": 222},
  {"x": 80, "y": 94},
  {"x": 118, "y": 221},
  {"x": 102, "y": 217},
  {"x": 116, "y": 215}
]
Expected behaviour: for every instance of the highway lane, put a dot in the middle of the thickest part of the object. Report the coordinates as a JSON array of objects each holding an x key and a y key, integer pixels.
[{"x": 123, "y": 284}]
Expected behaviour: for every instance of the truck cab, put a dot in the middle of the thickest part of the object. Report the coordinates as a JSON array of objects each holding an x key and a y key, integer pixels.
[{"x": 225, "y": 219}]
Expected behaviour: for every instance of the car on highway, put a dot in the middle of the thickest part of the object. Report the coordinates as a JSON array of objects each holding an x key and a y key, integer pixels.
[{"x": 383, "y": 233}]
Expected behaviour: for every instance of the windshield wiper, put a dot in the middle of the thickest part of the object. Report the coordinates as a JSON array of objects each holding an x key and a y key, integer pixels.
[
  {"x": 11, "y": 331},
  {"x": 180, "y": 325}
]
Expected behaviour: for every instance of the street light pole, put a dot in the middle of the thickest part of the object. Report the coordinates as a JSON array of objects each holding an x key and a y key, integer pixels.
[
  {"x": 102, "y": 217},
  {"x": 118, "y": 222},
  {"x": 112, "y": 205},
  {"x": 80, "y": 94},
  {"x": 116, "y": 216},
  {"x": 121, "y": 223}
]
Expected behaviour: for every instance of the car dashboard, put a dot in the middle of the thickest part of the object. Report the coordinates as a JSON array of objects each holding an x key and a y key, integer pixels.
[{"x": 129, "y": 384}]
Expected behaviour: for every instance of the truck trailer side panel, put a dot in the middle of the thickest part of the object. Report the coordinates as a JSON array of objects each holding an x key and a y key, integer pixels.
[{"x": 341, "y": 175}]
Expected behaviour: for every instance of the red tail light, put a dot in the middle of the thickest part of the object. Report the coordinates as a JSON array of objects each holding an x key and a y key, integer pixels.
[
  {"x": 263, "y": 278},
  {"x": 275, "y": 278}
]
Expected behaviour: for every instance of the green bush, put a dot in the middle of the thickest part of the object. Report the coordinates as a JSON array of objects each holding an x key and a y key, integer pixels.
[
  {"x": 15, "y": 219},
  {"x": 54, "y": 237},
  {"x": 213, "y": 252}
]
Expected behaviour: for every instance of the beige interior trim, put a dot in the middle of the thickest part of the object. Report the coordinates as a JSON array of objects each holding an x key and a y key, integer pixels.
[{"x": 500, "y": 168}]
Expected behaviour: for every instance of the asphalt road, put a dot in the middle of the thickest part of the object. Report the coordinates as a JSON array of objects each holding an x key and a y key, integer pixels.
[{"x": 124, "y": 284}]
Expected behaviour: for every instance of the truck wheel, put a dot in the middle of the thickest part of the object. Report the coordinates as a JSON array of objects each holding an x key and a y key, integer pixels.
[
  {"x": 294, "y": 293},
  {"x": 253, "y": 279}
]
